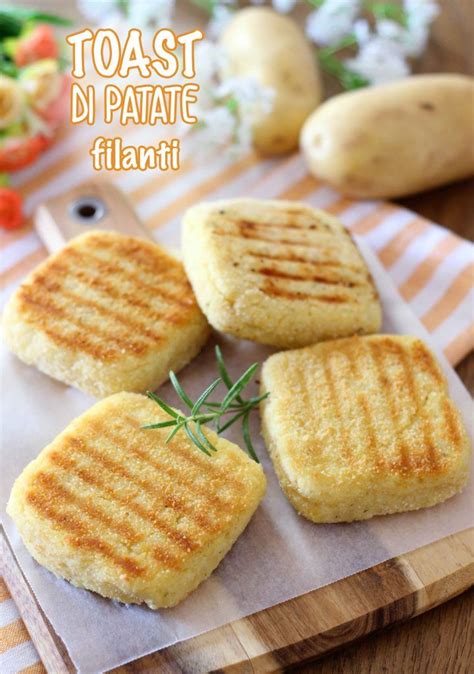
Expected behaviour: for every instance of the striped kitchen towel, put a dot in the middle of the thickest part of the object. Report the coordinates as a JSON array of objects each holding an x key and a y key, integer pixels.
[
  {"x": 432, "y": 267},
  {"x": 17, "y": 653}
]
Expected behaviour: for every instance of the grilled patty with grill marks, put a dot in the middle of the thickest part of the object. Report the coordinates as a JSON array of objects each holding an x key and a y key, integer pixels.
[
  {"x": 112, "y": 508},
  {"x": 106, "y": 313},
  {"x": 362, "y": 426},
  {"x": 277, "y": 272}
]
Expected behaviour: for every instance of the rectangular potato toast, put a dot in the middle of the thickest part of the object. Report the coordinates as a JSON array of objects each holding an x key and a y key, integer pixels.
[
  {"x": 106, "y": 313},
  {"x": 111, "y": 508},
  {"x": 362, "y": 426},
  {"x": 277, "y": 272}
]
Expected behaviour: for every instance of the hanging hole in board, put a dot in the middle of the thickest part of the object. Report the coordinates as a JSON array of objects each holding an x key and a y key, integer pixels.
[{"x": 88, "y": 210}]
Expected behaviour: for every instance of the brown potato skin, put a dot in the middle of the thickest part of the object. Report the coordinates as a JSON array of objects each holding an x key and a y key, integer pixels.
[
  {"x": 272, "y": 48},
  {"x": 395, "y": 139}
]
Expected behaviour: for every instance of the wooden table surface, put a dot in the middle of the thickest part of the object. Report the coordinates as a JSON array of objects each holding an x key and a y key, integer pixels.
[{"x": 440, "y": 641}]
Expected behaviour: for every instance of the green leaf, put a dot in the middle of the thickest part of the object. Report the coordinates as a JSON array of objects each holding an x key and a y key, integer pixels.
[
  {"x": 222, "y": 368},
  {"x": 247, "y": 439},
  {"x": 21, "y": 15},
  {"x": 207, "y": 5},
  {"x": 239, "y": 385},
  {"x": 335, "y": 67},
  {"x": 166, "y": 408},
  {"x": 171, "y": 435},
  {"x": 195, "y": 439},
  {"x": 205, "y": 395},
  {"x": 388, "y": 10},
  {"x": 205, "y": 440},
  {"x": 161, "y": 424},
  {"x": 231, "y": 421},
  {"x": 180, "y": 391}
]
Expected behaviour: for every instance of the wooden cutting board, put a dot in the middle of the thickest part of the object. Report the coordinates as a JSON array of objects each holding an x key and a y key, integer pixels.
[
  {"x": 297, "y": 630},
  {"x": 287, "y": 634}
]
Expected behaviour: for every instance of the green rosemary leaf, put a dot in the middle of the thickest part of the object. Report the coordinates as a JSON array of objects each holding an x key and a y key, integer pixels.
[
  {"x": 205, "y": 395},
  {"x": 239, "y": 385},
  {"x": 169, "y": 410},
  {"x": 231, "y": 421},
  {"x": 193, "y": 437},
  {"x": 207, "y": 443},
  {"x": 247, "y": 439},
  {"x": 180, "y": 391},
  {"x": 161, "y": 424},
  {"x": 222, "y": 368},
  {"x": 233, "y": 405},
  {"x": 177, "y": 428},
  {"x": 258, "y": 399}
]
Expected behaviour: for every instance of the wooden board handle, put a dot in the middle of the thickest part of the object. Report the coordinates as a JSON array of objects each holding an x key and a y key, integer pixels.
[{"x": 91, "y": 205}]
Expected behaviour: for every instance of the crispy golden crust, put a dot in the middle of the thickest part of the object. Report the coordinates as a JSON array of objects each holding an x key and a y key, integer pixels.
[
  {"x": 363, "y": 426},
  {"x": 112, "y": 508},
  {"x": 106, "y": 313},
  {"x": 277, "y": 272}
]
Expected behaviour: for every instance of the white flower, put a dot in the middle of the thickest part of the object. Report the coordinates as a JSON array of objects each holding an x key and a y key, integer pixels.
[
  {"x": 215, "y": 129},
  {"x": 227, "y": 108},
  {"x": 420, "y": 14},
  {"x": 221, "y": 16},
  {"x": 361, "y": 30},
  {"x": 332, "y": 21},
  {"x": 252, "y": 100},
  {"x": 101, "y": 12},
  {"x": 150, "y": 14},
  {"x": 284, "y": 6},
  {"x": 379, "y": 60}
]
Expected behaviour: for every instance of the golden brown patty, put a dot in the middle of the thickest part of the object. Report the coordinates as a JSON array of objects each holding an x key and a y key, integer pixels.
[
  {"x": 361, "y": 427},
  {"x": 277, "y": 272},
  {"x": 107, "y": 313},
  {"x": 112, "y": 508}
]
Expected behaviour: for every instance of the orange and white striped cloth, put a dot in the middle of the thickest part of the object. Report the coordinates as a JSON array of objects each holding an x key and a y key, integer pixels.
[
  {"x": 432, "y": 267},
  {"x": 17, "y": 653}
]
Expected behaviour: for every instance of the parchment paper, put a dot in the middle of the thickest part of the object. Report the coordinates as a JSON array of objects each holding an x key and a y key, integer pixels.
[{"x": 279, "y": 556}]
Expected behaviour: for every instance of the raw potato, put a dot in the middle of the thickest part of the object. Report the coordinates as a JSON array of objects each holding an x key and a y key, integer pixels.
[
  {"x": 261, "y": 43},
  {"x": 395, "y": 139}
]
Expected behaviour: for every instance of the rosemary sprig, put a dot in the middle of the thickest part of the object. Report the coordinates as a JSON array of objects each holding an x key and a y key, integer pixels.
[{"x": 202, "y": 411}]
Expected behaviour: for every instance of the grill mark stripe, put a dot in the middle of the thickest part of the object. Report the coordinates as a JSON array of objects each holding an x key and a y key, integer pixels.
[
  {"x": 258, "y": 237},
  {"x": 331, "y": 386},
  {"x": 411, "y": 388},
  {"x": 77, "y": 339},
  {"x": 99, "y": 283},
  {"x": 248, "y": 225},
  {"x": 174, "y": 473},
  {"x": 92, "y": 479},
  {"x": 81, "y": 537},
  {"x": 194, "y": 459},
  {"x": 79, "y": 301},
  {"x": 303, "y": 260},
  {"x": 377, "y": 459},
  {"x": 452, "y": 424},
  {"x": 50, "y": 482},
  {"x": 107, "y": 267},
  {"x": 147, "y": 485},
  {"x": 275, "y": 273},
  {"x": 377, "y": 355},
  {"x": 330, "y": 299}
]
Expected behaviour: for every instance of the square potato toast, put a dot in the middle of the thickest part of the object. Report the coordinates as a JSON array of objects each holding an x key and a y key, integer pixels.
[
  {"x": 112, "y": 508},
  {"x": 362, "y": 426},
  {"x": 277, "y": 272},
  {"x": 107, "y": 313}
]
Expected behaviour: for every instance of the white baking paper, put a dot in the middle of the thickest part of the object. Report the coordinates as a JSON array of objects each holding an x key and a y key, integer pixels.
[{"x": 279, "y": 556}]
